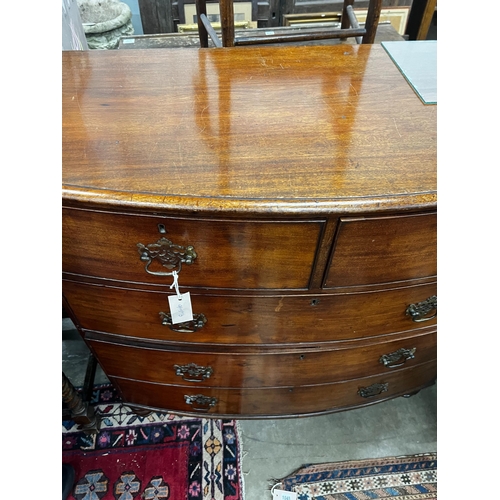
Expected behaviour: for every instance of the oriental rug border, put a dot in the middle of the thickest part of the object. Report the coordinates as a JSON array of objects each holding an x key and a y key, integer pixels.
[{"x": 213, "y": 445}]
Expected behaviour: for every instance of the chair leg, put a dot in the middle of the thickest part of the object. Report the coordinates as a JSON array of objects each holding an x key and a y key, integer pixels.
[
  {"x": 344, "y": 21},
  {"x": 372, "y": 18},
  {"x": 227, "y": 22},
  {"x": 430, "y": 7},
  {"x": 201, "y": 8}
]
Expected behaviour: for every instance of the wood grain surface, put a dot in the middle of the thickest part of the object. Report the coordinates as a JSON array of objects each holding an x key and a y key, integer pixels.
[
  {"x": 155, "y": 363},
  {"x": 250, "y": 320},
  {"x": 287, "y": 129},
  {"x": 284, "y": 401},
  {"x": 242, "y": 253}
]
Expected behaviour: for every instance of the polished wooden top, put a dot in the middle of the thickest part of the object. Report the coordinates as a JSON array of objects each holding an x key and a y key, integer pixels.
[{"x": 267, "y": 129}]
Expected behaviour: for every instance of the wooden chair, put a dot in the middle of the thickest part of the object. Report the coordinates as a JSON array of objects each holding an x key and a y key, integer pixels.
[
  {"x": 349, "y": 27},
  {"x": 420, "y": 19}
]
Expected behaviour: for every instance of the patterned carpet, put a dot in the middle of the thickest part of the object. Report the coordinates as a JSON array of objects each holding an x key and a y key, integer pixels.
[
  {"x": 405, "y": 478},
  {"x": 160, "y": 456}
]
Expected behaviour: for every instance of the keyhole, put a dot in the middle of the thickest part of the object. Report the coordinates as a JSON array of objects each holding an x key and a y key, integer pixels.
[
  {"x": 162, "y": 229},
  {"x": 302, "y": 357},
  {"x": 314, "y": 302}
]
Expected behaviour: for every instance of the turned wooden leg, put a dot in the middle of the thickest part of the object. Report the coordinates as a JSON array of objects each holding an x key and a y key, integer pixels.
[
  {"x": 88, "y": 384},
  {"x": 81, "y": 412}
]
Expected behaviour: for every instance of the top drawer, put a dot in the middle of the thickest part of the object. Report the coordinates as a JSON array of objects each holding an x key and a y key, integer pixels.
[
  {"x": 224, "y": 254},
  {"x": 383, "y": 250}
]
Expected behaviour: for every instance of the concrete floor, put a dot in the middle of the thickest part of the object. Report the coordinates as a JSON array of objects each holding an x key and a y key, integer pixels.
[{"x": 272, "y": 449}]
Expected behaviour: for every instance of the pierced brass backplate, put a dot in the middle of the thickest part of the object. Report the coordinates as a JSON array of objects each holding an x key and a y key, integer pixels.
[
  {"x": 193, "y": 373},
  {"x": 167, "y": 254},
  {"x": 373, "y": 390},
  {"x": 397, "y": 358},
  {"x": 192, "y": 326},
  {"x": 418, "y": 312},
  {"x": 200, "y": 402}
]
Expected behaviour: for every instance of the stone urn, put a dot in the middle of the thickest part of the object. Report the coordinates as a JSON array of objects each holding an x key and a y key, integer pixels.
[{"x": 104, "y": 22}]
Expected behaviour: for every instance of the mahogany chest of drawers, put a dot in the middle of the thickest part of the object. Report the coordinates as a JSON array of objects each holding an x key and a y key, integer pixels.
[{"x": 292, "y": 190}]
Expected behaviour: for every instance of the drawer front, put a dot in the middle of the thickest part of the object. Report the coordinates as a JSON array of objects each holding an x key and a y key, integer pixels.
[
  {"x": 264, "y": 369},
  {"x": 283, "y": 401},
  {"x": 227, "y": 254},
  {"x": 251, "y": 320},
  {"x": 383, "y": 250}
]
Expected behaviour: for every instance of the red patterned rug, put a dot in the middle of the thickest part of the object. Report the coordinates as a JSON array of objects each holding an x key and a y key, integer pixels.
[{"x": 157, "y": 457}]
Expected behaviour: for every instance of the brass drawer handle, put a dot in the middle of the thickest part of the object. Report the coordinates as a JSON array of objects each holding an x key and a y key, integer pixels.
[
  {"x": 204, "y": 403},
  {"x": 192, "y": 326},
  {"x": 168, "y": 254},
  {"x": 420, "y": 310},
  {"x": 388, "y": 360},
  {"x": 373, "y": 390},
  {"x": 193, "y": 373}
]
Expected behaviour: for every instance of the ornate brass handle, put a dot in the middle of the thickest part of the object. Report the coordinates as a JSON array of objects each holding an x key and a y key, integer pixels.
[
  {"x": 388, "y": 360},
  {"x": 168, "y": 254},
  {"x": 373, "y": 390},
  {"x": 419, "y": 311},
  {"x": 192, "y": 326},
  {"x": 204, "y": 402},
  {"x": 193, "y": 373}
]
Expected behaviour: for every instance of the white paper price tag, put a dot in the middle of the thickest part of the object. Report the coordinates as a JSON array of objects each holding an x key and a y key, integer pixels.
[
  {"x": 180, "y": 307},
  {"x": 284, "y": 495}
]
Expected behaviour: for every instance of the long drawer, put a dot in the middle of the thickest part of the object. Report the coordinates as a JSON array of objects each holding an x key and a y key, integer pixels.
[
  {"x": 383, "y": 249},
  {"x": 264, "y": 369},
  {"x": 220, "y": 254},
  {"x": 291, "y": 400},
  {"x": 276, "y": 319}
]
